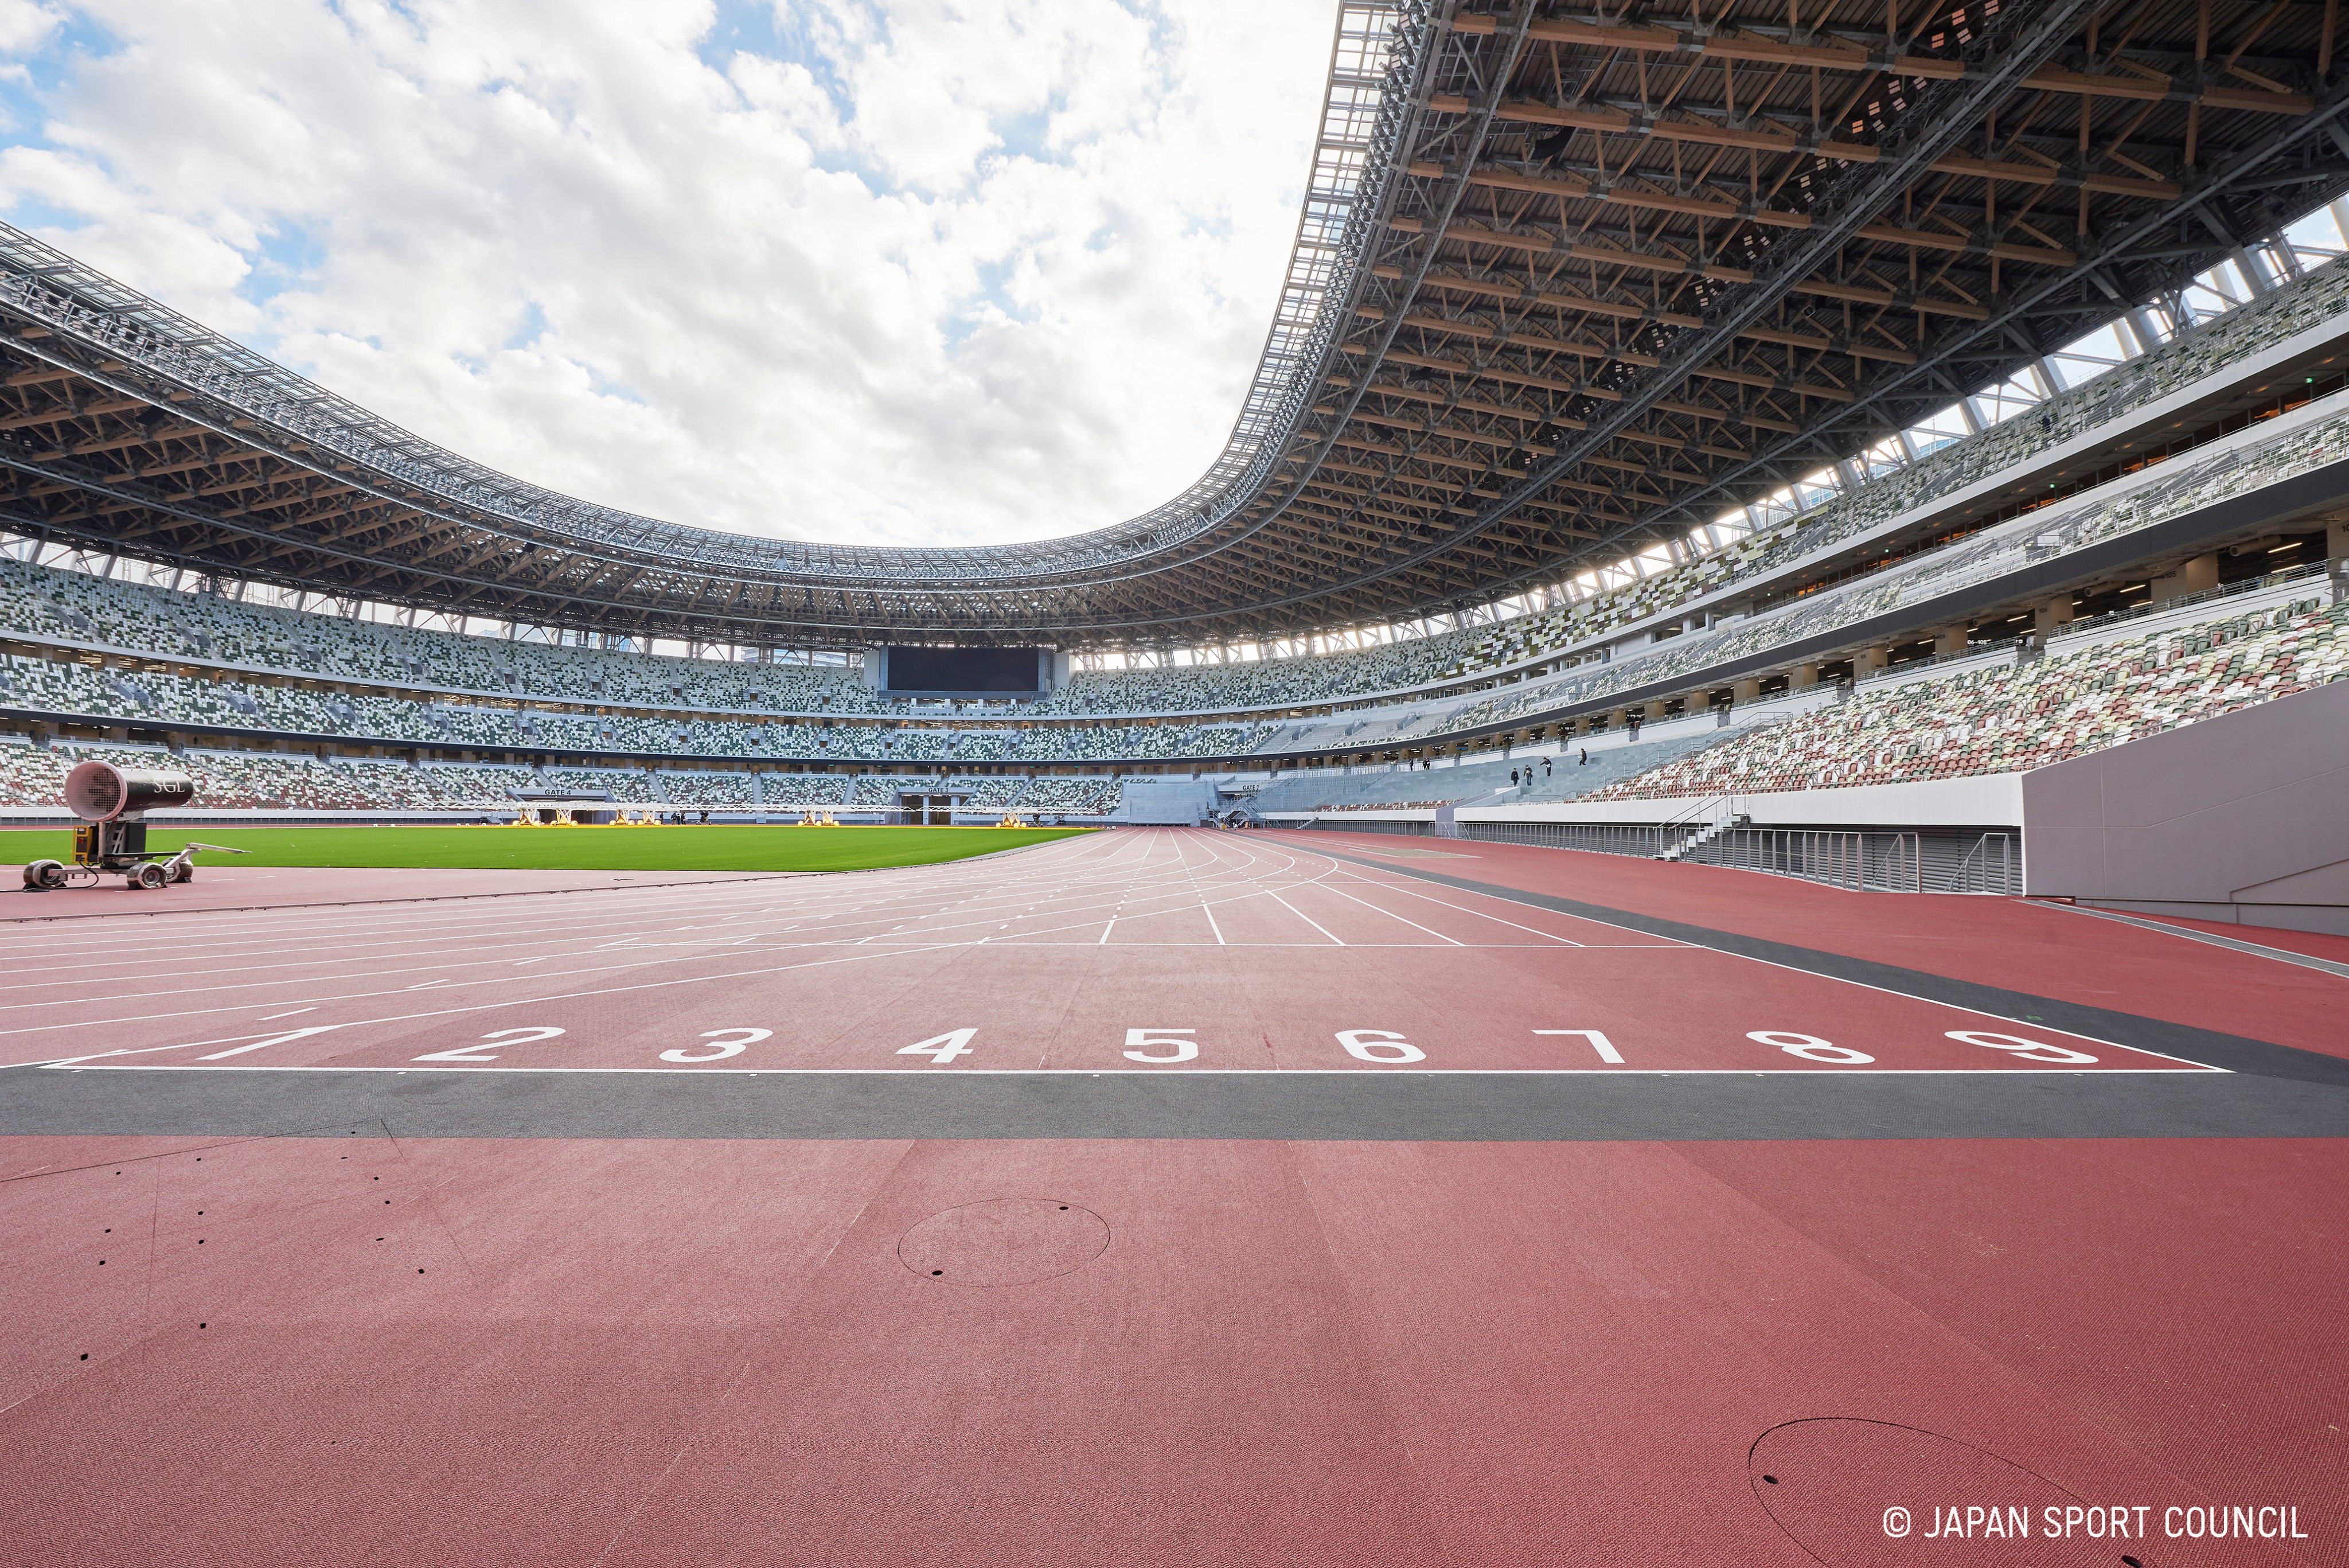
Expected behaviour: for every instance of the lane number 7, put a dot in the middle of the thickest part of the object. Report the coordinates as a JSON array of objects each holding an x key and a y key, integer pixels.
[{"x": 1599, "y": 1042}]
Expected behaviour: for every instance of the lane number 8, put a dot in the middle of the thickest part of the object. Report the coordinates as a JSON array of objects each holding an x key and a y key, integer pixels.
[{"x": 1810, "y": 1047}]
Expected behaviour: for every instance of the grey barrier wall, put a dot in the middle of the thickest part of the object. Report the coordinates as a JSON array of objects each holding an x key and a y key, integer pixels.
[
  {"x": 2241, "y": 818},
  {"x": 1167, "y": 802}
]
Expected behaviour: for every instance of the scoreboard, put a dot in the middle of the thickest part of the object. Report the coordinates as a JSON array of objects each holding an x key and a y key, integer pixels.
[{"x": 965, "y": 672}]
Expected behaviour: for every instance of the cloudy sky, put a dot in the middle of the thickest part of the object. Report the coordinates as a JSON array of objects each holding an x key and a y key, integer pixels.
[{"x": 922, "y": 272}]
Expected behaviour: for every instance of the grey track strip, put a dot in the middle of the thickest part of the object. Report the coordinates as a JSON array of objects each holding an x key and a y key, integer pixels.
[
  {"x": 2233, "y": 1052},
  {"x": 1374, "y": 1107}
]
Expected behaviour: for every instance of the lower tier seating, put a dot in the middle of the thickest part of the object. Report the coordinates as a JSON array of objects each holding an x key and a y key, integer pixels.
[
  {"x": 34, "y": 778},
  {"x": 2013, "y": 717},
  {"x": 1569, "y": 777}
]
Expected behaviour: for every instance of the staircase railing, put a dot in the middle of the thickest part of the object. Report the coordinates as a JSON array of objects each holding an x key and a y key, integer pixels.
[{"x": 1685, "y": 825}]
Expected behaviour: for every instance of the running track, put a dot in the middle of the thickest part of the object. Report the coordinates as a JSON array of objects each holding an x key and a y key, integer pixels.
[{"x": 1157, "y": 1197}]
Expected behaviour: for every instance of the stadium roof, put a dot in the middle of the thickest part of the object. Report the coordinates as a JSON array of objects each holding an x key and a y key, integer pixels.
[{"x": 1564, "y": 284}]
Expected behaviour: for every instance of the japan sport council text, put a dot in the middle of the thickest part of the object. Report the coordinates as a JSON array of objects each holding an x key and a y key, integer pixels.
[{"x": 2120, "y": 1521}]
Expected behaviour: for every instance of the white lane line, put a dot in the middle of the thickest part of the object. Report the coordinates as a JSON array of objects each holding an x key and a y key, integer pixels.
[
  {"x": 1302, "y": 916},
  {"x": 1481, "y": 915},
  {"x": 1391, "y": 915}
]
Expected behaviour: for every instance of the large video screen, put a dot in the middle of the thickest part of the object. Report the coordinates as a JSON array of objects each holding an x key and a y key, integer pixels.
[{"x": 962, "y": 670}]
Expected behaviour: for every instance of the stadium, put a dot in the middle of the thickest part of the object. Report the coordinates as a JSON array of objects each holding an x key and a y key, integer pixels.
[{"x": 1693, "y": 908}]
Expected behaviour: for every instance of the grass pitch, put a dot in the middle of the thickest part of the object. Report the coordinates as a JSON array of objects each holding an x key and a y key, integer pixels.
[{"x": 694, "y": 848}]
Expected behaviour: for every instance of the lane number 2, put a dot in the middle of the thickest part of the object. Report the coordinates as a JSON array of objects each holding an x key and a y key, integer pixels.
[{"x": 501, "y": 1038}]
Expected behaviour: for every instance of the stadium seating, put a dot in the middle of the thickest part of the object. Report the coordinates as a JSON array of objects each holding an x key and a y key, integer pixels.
[
  {"x": 1486, "y": 783},
  {"x": 325, "y": 678},
  {"x": 1072, "y": 796},
  {"x": 733, "y": 791},
  {"x": 883, "y": 789},
  {"x": 78, "y": 608},
  {"x": 29, "y": 776},
  {"x": 2016, "y": 716},
  {"x": 613, "y": 783},
  {"x": 783, "y": 791},
  {"x": 2323, "y": 293},
  {"x": 265, "y": 781}
]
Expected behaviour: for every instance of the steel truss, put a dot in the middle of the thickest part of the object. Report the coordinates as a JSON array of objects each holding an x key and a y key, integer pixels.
[{"x": 1564, "y": 284}]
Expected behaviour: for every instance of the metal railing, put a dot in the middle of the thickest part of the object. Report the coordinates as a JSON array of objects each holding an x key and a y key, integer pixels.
[
  {"x": 2310, "y": 570},
  {"x": 1637, "y": 838},
  {"x": 1993, "y": 865},
  {"x": 1905, "y": 860},
  {"x": 1855, "y": 859},
  {"x": 1874, "y": 860}
]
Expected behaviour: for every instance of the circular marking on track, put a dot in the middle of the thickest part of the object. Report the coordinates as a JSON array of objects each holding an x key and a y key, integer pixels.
[
  {"x": 1857, "y": 1493},
  {"x": 1004, "y": 1241}
]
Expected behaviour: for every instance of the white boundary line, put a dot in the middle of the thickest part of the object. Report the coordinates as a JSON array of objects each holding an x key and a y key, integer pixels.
[
  {"x": 2213, "y": 938},
  {"x": 92, "y": 1064}
]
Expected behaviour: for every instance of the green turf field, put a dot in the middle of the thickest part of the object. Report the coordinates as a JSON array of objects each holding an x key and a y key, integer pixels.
[{"x": 716, "y": 848}]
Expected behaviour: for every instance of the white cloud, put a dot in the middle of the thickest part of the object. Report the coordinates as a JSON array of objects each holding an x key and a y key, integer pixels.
[{"x": 937, "y": 272}]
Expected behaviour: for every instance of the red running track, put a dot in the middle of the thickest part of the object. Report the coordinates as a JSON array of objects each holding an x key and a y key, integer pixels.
[
  {"x": 1136, "y": 952},
  {"x": 2045, "y": 949},
  {"x": 363, "y": 1346}
]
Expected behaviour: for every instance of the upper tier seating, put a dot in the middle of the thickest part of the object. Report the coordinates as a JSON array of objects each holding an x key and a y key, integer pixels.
[
  {"x": 78, "y": 608},
  {"x": 1892, "y": 490},
  {"x": 52, "y": 686},
  {"x": 2013, "y": 717},
  {"x": 2309, "y": 438}
]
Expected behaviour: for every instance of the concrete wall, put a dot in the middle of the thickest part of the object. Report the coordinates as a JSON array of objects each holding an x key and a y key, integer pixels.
[{"x": 2242, "y": 818}]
